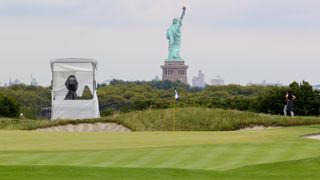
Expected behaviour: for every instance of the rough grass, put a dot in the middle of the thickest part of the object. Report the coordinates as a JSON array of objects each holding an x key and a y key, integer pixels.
[
  {"x": 205, "y": 119},
  {"x": 187, "y": 119},
  {"x": 29, "y": 124}
]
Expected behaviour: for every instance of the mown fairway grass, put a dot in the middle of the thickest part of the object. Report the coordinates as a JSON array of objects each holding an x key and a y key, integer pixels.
[{"x": 280, "y": 153}]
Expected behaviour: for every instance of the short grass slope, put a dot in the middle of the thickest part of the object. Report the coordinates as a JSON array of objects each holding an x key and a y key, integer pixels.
[
  {"x": 185, "y": 119},
  {"x": 280, "y": 153}
]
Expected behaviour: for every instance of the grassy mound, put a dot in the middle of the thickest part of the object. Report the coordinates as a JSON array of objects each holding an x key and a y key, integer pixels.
[{"x": 186, "y": 119}]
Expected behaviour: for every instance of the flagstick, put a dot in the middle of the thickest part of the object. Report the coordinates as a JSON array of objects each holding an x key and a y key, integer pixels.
[{"x": 174, "y": 115}]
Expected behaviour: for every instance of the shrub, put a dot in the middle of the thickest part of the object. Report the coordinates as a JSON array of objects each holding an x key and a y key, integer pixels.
[{"x": 8, "y": 107}]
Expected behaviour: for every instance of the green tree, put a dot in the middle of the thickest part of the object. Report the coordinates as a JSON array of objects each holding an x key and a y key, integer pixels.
[
  {"x": 8, "y": 107},
  {"x": 307, "y": 102}
]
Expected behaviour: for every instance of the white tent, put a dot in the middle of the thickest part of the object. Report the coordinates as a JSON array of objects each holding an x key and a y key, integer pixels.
[{"x": 84, "y": 71}]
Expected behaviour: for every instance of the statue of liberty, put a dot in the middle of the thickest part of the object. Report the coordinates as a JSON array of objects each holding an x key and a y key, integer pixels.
[{"x": 174, "y": 37}]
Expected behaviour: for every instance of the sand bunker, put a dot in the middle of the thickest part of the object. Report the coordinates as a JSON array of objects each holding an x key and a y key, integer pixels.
[
  {"x": 316, "y": 136},
  {"x": 96, "y": 127},
  {"x": 255, "y": 128}
]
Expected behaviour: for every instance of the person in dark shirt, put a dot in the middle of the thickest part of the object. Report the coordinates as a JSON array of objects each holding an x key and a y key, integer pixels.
[
  {"x": 72, "y": 86},
  {"x": 289, "y": 107}
]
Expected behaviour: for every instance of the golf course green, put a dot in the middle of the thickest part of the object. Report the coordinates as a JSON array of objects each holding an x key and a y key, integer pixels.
[{"x": 276, "y": 153}]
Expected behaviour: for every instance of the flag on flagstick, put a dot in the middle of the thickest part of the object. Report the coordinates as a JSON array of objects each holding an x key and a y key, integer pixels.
[{"x": 176, "y": 95}]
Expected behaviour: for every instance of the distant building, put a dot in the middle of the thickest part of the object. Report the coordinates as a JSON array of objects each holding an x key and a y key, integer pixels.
[
  {"x": 10, "y": 82},
  {"x": 33, "y": 81},
  {"x": 156, "y": 78},
  {"x": 198, "y": 81},
  {"x": 15, "y": 82},
  {"x": 264, "y": 83},
  {"x": 218, "y": 81},
  {"x": 106, "y": 82}
]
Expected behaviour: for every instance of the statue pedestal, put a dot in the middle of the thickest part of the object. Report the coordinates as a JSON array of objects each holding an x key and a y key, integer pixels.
[{"x": 175, "y": 71}]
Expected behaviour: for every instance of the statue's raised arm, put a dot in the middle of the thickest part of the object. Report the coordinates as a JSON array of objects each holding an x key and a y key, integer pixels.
[{"x": 183, "y": 13}]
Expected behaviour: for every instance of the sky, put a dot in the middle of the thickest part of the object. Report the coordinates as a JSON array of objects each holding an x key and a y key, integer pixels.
[{"x": 240, "y": 40}]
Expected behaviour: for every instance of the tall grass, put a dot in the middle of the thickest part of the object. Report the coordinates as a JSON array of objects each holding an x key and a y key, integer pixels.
[
  {"x": 187, "y": 119},
  {"x": 205, "y": 119}
]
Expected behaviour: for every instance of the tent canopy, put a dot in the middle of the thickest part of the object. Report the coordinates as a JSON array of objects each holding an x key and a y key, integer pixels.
[
  {"x": 73, "y": 60},
  {"x": 84, "y": 71}
]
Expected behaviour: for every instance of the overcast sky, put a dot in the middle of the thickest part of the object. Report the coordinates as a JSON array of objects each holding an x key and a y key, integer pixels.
[{"x": 241, "y": 40}]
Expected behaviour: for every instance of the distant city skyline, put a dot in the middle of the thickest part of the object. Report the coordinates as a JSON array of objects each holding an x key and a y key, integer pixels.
[
  {"x": 242, "y": 40},
  {"x": 197, "y": 81}
]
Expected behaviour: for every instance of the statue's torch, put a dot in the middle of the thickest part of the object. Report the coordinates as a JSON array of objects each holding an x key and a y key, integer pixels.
[{"x": 183, "y": 13}]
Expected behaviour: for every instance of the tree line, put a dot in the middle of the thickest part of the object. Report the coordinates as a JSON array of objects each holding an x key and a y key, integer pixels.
[
  {"x": 123, "y": 96},
  {"x": 129, "y": 96},
  {"x": 24, "y": 99}
]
